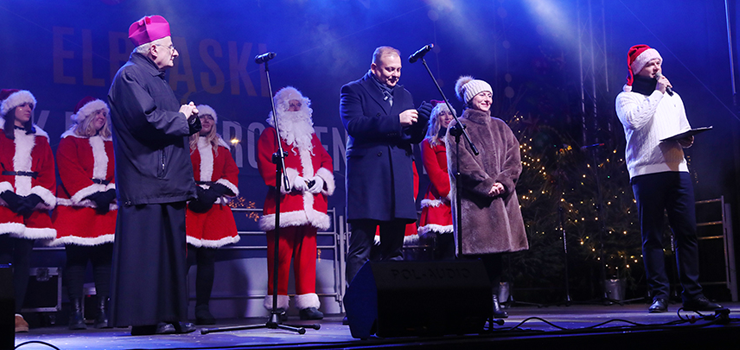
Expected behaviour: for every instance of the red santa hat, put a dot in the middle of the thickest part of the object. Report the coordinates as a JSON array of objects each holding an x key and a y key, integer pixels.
[
  {"x": 207, "y": 110},
  {"x": 148, "y": 29},
  {"x": 637, "y": 57},
  {"x": 287, "y": 94},
  {"x": 13, "y": 98},
  {"x": 86, "y": 107}
]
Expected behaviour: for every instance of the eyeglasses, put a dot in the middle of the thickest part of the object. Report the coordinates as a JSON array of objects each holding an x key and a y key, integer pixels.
[{"x": 171, "y": 47}]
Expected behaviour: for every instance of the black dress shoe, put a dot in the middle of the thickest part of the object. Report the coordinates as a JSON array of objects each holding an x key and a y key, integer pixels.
[
  {"x": 310, "y": 313},
  {"x": 345, "y": 321},
  {"x": 184, "y": 327},
  {"x": 700, "y": 303},
  {"x": 165, "y": 328},
  {"x": 659, "y": 305}
]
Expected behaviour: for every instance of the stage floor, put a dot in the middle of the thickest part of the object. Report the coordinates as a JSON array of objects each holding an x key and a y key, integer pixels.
[{"x": 632, "y": 327}]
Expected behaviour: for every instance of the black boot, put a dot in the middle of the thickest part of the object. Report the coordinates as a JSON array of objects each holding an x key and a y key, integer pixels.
[
  {"x": 203, "y": 315},
  {"x": 497, "y": 312},
  {"x": 102, "y": 320},
  {"x": 76, "y": 319}
]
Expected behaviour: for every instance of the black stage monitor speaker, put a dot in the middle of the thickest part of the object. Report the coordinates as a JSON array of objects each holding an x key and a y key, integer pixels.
[{"x": 418, "y": 298}]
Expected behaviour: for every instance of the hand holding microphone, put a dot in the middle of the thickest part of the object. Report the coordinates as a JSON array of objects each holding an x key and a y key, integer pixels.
[{"x": 663, "y": 84}]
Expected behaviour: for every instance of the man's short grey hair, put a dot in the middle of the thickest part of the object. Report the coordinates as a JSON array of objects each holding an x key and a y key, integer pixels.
[
  {"x": 384, "y": 50},
  {"x": 144, "y": 48}
]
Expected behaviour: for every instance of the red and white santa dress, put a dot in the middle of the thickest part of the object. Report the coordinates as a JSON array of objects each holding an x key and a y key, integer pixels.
[
  {"x": 215, "y": 227},
  {"x": 303, "y": 206},
  {"x": 436, "y": 212},
  {"x": 86, "y": 167},
  {"x": 27, "y": 168}
]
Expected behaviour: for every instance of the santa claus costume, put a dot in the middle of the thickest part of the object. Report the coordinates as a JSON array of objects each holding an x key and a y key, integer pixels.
[
  {"x": 209, "y": 221},
  {"x": 85, "y": 217},
  {"x": 303, "y": 205},
  {"x": 435, "y": 225},
  {"x": 27, "y": 185}
]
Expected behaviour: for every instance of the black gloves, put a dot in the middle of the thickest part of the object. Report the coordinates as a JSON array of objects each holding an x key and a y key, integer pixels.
[
  {"x": 102, "y": 200},
  {"x": 205, "y": 200},
  {"x": 220, "y": 189},
  {"x": 194, "y": 124},
  {"x": 28, "y": 204},
  {"x": 12, "y": 200},
  {"x": 425, "y": 110}
]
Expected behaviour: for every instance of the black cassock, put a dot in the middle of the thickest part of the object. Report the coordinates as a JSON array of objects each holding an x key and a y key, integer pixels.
[{"x": 154, "y": 179}]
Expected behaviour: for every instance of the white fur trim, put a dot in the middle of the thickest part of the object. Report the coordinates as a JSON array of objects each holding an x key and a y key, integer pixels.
[
  {"x": 292, "y": 174},
  {"x": 328, "y": 178},
  {"x": 283, "y": 302},
  {"x": 207, "y": 110},
  {"x": 412, "y": 239},
  {"x": 16, "y": 99},
  {"x": 110, "y": 186},
  {"x": 6, "y": 186},
  {"x": 311, "y": 217},
  {"x": 88, "y": 109},
  {"x": 100, "y": 158},
  {"x": 646, "y": 56},
  {"x": 431, "y": 203},
  {"x": 22, "y": 161},
  {"x": 84, "y": 241},
  {"x": 304, "y": 301},
  {"x": 229, "y": 185},
  {"x": 627, "y": 88},
  {"x": 206, "y": 159},
  {"x": 376, "y": 240},
  {"x": 49, "y": 199},
  {"x": 422, "y": 230},
  {"x": 83, "y": 193},
  {"x": 84, "y": 203},
  {"x": 37, "y": 233},
  {"x": 12, "y": 228},
  {"x": 210, "y": 243}
]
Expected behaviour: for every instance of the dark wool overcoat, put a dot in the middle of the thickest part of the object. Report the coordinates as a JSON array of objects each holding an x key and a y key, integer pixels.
[
  {"x": 380, "y": 177},
  {"x": 490, "y": 224}
]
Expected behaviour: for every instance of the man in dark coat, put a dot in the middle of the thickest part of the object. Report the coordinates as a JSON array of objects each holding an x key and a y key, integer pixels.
[
  {"x": 382, "y": 124},
  {"x": 154, "y": 178}
]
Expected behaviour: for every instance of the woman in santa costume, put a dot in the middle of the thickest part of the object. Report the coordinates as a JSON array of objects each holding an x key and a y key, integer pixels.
[
  {"x": 209, "y": 221},
  {"x": 85, "y": 217},
  {"x": 303, "y": 205},
  {"x": 27, "y": 185},
  {"x": 436, "y": 214}
]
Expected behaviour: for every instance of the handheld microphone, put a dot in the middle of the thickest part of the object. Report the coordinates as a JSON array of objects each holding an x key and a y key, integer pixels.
[
  {"x": 667, "y": 88},
  {"x": 419, "y": 54},
  {"x": 259, "y": 59}
]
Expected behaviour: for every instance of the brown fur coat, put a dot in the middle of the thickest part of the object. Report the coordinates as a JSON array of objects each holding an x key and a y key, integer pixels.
[{"x": 489, "y": 224}]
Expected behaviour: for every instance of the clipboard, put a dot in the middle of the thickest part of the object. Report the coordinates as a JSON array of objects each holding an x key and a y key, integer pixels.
[{"x": 687, "y": 133}]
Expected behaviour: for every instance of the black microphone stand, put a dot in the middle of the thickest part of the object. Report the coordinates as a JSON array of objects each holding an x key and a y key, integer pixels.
[
  {"x": 278, "y": 159},
  {"x": 457, "y": 131}
]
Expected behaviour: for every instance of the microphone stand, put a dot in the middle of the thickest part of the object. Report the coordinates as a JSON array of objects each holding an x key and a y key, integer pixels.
[
  {"x": 457, "y": 131},
  {"x": 278, "y": 159}
]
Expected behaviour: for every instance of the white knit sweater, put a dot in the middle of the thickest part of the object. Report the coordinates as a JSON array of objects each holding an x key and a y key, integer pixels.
[{"x": 646, "y": 120}]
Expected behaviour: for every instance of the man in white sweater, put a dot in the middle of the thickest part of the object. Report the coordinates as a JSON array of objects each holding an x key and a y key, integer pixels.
[{"x": 650, "y": 111}]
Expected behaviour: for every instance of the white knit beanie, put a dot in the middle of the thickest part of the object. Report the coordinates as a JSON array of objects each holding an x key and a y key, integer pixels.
[
  {"x": 207, "y": 110},
  {"x": 467, "y": 87}
]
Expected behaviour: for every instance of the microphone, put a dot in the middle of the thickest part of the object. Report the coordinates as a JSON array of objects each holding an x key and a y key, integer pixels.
[
  {"x": 259, "y": 59},
  {"x": 419, "y": 54},
  {"x": 667, "y": 88}
]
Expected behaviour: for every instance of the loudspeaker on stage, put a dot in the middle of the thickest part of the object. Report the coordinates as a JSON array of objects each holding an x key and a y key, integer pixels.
[{"x": 418, "y": 298}]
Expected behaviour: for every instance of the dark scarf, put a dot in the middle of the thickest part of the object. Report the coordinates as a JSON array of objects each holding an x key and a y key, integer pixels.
[
  {"x": 644, "y": 85},
  {"x": 385, "y": 89}
]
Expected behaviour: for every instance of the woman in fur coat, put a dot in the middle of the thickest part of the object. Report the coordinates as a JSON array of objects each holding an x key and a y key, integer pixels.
[
  {"x": 491, "y": 221},
  {"x": 209, "y": 222},
  {"x": 27, "y": 186},
  {"x": 85, "y": 218}
]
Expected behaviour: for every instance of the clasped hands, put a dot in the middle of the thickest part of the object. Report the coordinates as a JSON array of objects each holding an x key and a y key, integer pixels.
[
  {"x": 496, "y": 190},
  {"x": 313, "y": 185},
  {"x": 23, "y": 205}
]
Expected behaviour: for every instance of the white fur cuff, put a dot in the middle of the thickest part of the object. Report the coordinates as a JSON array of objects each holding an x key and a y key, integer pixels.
[
  {"x": 328, "y": 178},
  {"x": 304, "y": 301},
  {"x": 282, "y": 303}
]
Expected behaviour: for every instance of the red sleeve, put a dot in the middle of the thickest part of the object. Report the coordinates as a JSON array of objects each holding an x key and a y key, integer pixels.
[
  {"x": 439, "y": 178},
  {"x": 266, "y": 146},
  {"x": 73, "y": 176},
  {"x": 230, "y": 173},
  {"x": 416, "y": 179},
  {"x": 45, "y": 184}
]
